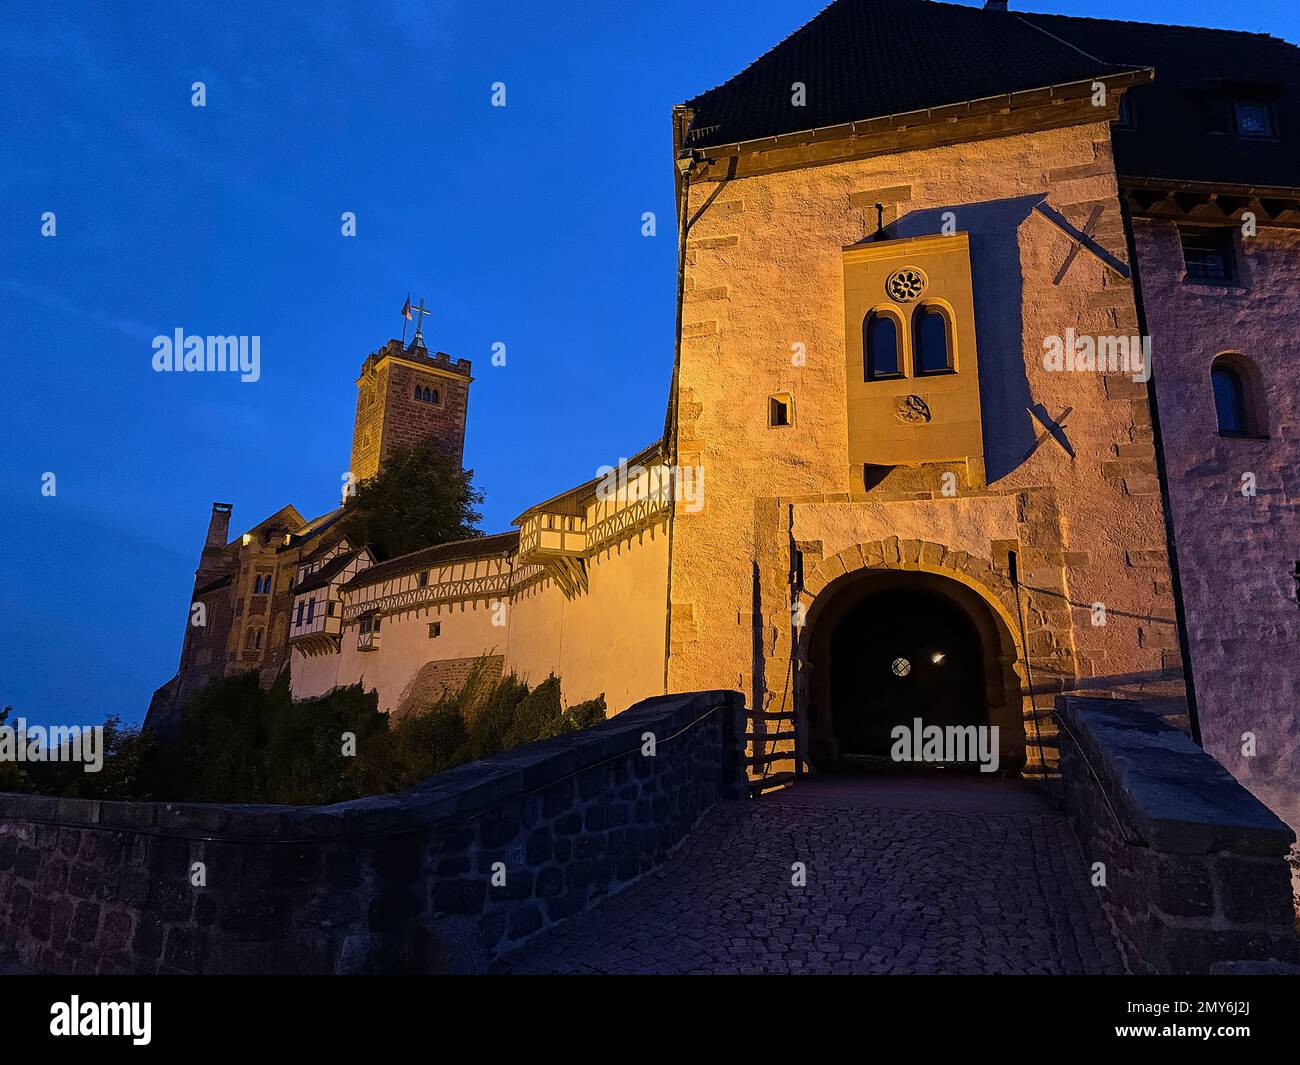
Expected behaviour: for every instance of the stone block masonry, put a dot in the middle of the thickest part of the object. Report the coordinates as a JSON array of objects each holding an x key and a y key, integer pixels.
[
  {"x": 1195, "y": 866},
  {"x": 395, "y": 883}
]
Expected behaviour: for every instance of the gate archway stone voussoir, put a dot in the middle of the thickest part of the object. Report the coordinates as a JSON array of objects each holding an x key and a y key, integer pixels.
[{"x": 918, "y": 555}]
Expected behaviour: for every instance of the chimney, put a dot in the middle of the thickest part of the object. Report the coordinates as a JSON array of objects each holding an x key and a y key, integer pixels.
[
  {"x": 219, "y": 525},
  {"x": 211, "y": 562},
  {"x": 995, "y": 5}
]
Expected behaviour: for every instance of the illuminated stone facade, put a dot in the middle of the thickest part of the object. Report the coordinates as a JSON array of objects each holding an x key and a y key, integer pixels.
[{"x": 867, "y": 406}]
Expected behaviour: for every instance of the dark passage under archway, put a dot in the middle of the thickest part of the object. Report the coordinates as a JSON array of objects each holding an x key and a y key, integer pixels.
[{"x": 897, "y": 656}]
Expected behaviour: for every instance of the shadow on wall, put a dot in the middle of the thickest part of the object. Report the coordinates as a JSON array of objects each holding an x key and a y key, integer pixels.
[{"x": 1009, "y": 430}]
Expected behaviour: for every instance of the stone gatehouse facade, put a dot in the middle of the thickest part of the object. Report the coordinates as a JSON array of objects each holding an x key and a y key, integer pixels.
[{"x": 981, "y": 394}]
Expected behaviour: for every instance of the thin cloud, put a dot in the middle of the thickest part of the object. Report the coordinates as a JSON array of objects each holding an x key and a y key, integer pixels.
[{"x": 56, "y": 301}]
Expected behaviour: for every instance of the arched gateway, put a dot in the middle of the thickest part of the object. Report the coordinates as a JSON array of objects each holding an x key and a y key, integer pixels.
[{"x": 896, "y": 633}]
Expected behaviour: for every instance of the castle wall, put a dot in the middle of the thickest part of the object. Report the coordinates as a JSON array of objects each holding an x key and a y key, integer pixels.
[
  {"x": 1237, "y": 553},
  {"x": 608, "y": 640},
  {"x": 765, "y": 275},
  {"x": 405, "y": 647},
  {"x": 313, "y": 675}
]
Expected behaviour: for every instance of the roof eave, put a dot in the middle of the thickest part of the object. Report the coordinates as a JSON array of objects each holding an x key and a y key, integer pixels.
[{"x": 1069, "y": 90}]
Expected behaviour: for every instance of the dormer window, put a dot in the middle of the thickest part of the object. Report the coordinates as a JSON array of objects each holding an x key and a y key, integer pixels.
[{"x": 1254, "y": 119}]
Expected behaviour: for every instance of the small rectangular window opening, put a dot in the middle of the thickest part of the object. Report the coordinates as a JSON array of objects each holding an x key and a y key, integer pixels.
[
  {"x": 1208, "y": 255},
  {"x": 780, "y": 410},
  {"x": 1254, "y": 119},
  {"x": 1126, "y": 119}
]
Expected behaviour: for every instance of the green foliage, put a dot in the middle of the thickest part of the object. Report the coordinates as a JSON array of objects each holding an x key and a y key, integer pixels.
[
  {"x": 425, "y": 744},
  {"x": 12, "y": 777},
  {"x": 128, "y": 754},
  {"x": 221, "y": 737},
  {"x": 240, "y": 743},
  {"x": 495, "y": 717},
  {"x": 304, "y": 758},
  {"x": 420, "y": 498},
  {"x": 122, "y": 773},
  {"x": 584, "y": 715}
]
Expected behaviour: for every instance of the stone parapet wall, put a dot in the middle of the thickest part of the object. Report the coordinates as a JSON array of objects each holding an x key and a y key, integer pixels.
[
  {"x": 399, "y": 883},
  {"x": 1195, "y": 866}
]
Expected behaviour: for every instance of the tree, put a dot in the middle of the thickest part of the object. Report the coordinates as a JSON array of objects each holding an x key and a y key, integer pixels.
[
  {"x": 418, "y": 499},
  {"x": 12, "y": 777}
]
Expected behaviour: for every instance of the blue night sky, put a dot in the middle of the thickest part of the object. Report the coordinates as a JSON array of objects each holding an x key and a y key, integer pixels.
[{"x": 519, "y": 224}]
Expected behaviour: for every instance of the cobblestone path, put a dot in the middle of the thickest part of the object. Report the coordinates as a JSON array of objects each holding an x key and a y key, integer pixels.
[{"x": 910, "y": 875}]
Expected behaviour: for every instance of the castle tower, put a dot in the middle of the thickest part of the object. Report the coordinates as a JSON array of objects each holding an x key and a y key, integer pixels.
[
  {"x": 212, "y": 560},
  {"x": 406, "y": 396}
]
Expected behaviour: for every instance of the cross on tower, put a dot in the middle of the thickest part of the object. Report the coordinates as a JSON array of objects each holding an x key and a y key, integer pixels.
[{"x": 417, "y": 341}]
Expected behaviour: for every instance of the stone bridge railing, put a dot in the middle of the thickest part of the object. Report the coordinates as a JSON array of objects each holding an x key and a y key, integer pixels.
[
  {"x": 439, "y": 878},
  {"x": 1195, "y": 869}
]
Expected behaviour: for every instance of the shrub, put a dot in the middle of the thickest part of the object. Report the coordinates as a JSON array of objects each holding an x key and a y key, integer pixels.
[{"x": 240, "y": 743}]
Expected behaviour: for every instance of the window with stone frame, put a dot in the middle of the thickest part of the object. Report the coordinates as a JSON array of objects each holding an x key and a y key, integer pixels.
[
  {"x": 931, "y": 340},
  {"x": 1239, "y": 404},
  {"x": 1209, "y": 254},
  {"x": 882, "y": 347}
]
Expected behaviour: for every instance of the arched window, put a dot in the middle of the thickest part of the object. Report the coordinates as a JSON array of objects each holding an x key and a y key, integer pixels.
[
  {"x": 1230, "y": 398},
  {"x": 433, "y": 396},
  {"x": 931, "y": 340},
  {"x": 418, "y": 394},
  {"x": 880, "y": 347}
]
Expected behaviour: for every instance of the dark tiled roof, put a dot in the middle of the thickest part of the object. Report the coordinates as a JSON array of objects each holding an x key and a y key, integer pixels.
[
  {"x": 1198, "y": 71},
  {"x": 476, "y": 547},
  {"x": 323, "y": 576},
  {"x": 212, "y": 586},
  {"x": 574, "y": 500},
  {"x": 313, "y": 529},
  {"x": 863, "y": 59}
]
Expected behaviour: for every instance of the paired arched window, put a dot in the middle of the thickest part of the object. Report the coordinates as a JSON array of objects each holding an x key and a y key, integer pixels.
[
  {"x": 1237, "y": 400},
  {"x": 931, "y": 342},
  {"x": 882, "y": 343},
  {"x": 253, "y": 641},
  {"x": 882, "y": 349}
]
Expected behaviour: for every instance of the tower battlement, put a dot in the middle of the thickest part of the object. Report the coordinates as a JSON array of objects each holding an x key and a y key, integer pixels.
[{"x": 406, "y": 396}]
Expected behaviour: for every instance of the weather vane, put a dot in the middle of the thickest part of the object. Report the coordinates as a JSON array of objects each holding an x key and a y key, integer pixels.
[{"x": 417, "y": 341}]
